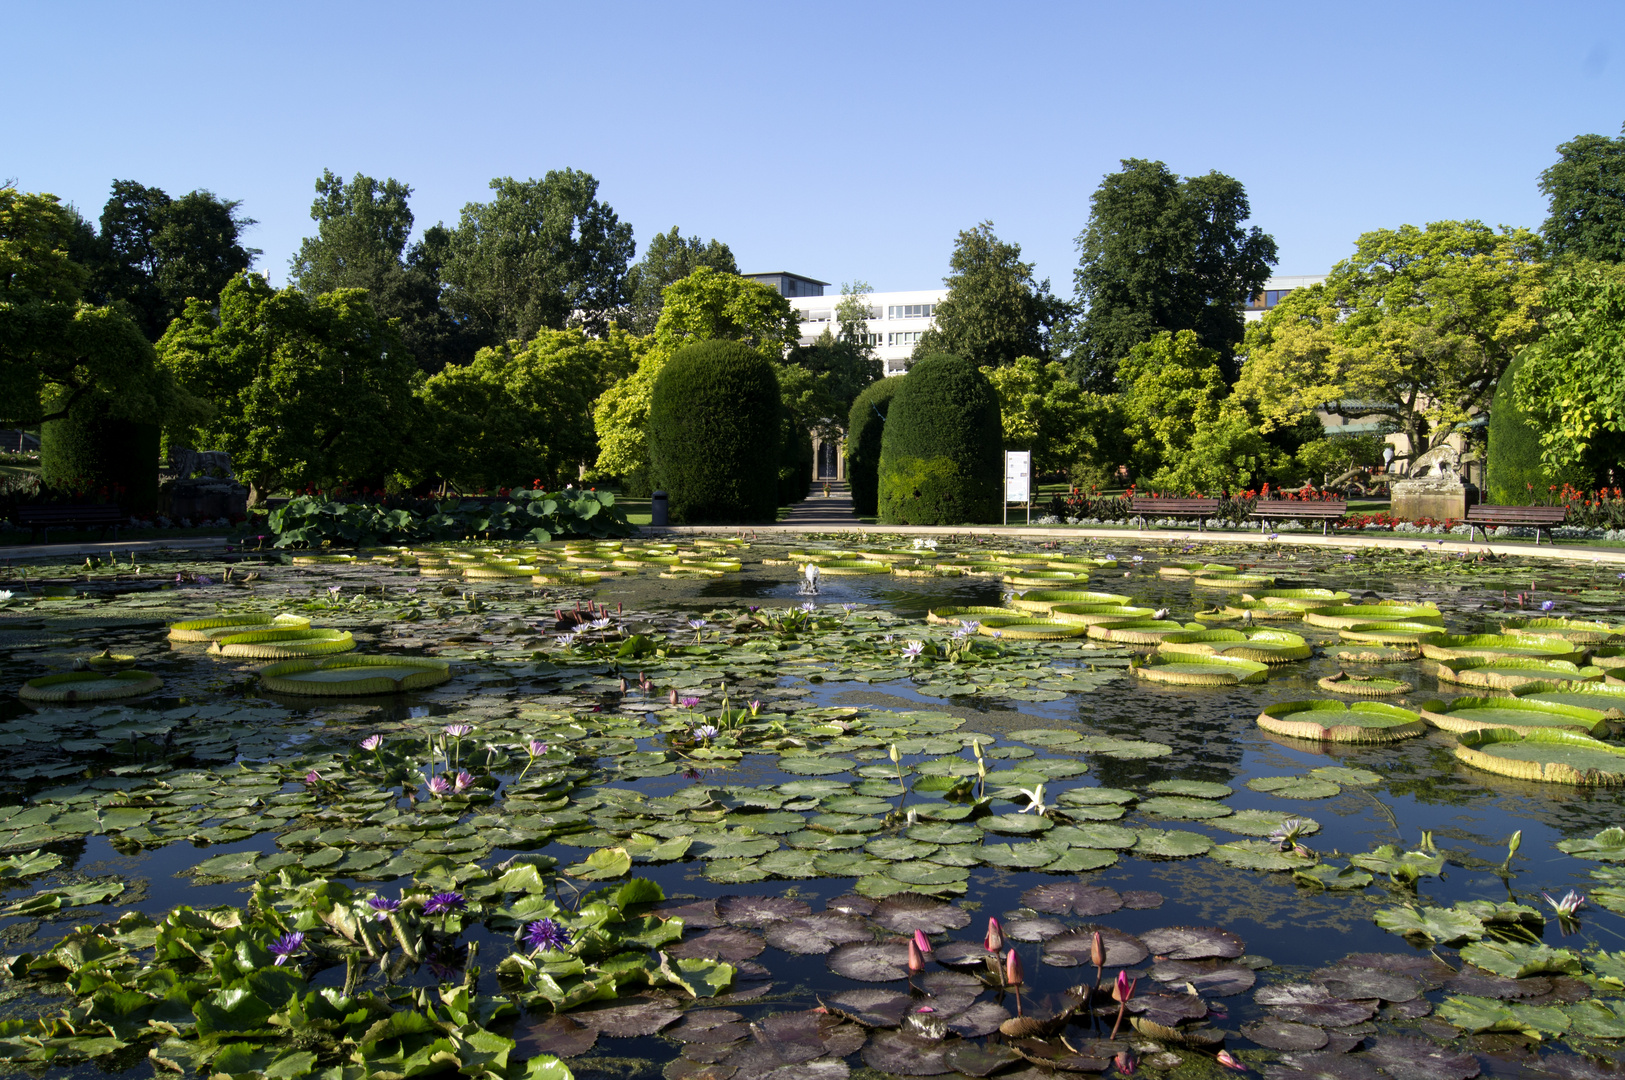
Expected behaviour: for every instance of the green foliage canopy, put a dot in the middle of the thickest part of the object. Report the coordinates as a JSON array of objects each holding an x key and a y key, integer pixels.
[
  {"x": 1586, "y": 192},
  {"x": 306, "y": 392},
  {"x": 865, "y": 424},
  {"x": 715, "y": 422},
  {"x": 669, "y": 257},
  {"x": 1161, "y": 253},
  {"x": 942, "y": 453},
  {"x": 994, "y": 311},
  {"x": 1063, "y": 425},
  {"x": 1416, "y": 328}
]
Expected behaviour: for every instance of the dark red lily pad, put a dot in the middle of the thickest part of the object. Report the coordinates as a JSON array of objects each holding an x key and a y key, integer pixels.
[
  {"x": 949, "y": 982},
  {"x": 1142, "y": 900},
  {"x": 1333, "y": 1013},
  {"x": 1072, "y": 948},
  {"x": 1322, "y": 1067},
  {"x": 711, "y": 1053},
  {"x": 852, "y": 904},
  {"x": 762, "y": 1059},
  {"x": 1193, "y": 943},
  {"x": 1340, "y": 1042},
  {"x": 1425, "y": 968},
  {"x": 802, "y": 1036},
  {"x": 1406, "y": 1058},
  {"x": 710, "y": 1026},
  {"x": 814, "y": 935},
  {"x": 685, "y": 1069},
  {"x": 906, "y": 1055},
  {"x": 1169, "y": 1010},
  {"x": 1360, "y": 982},
  {"x": 1058, "y": 1057},
  {"x": 1568, "y": 1067},
  {"x": 871, "y": 963},
  {"x": 1206, "y": 976},
  {"x": 696, "y": 914},
  {"x": 905, "y": 913},
  {"x": 1281, "y": 1035},
  {"x": 1479, "y": 983},
  {"x": 959, "y": 953},
  {"x": 874, "y": 1008},
  {"x": 1072, "y": 898},
  {"x": 1037, "y": 929},
  {"x": 631, "y": 1020},
  {"x": 759, "y": 911},
  {"x": 1406, "y": 1010},
  {"x": 724, "y": 943},
  {"x": 560, "y": 1036},
  {"x": 982, "y": 1018},
  {"x": 974, "y": 1059}
]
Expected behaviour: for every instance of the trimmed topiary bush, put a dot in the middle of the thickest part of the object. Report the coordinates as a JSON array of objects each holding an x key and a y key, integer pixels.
[
  {"x": 1514, "y": 452},
  {"x": 102, "y": 457},
  {"x": 941, "y": 456},
  {"x": 714, "y": 434},
  {"x": 864, "y": 427},
  {"x": 795, "y": 460}
]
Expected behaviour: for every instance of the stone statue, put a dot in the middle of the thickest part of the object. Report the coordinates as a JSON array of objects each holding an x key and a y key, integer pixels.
[
  {"x": 1441, "y": 464},
  {"x": 1434, "y": 488},
  {"x": 185, "y": 461}
]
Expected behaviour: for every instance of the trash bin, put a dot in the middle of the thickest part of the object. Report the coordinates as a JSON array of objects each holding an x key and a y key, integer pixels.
[{"x": 657, "y": 510}]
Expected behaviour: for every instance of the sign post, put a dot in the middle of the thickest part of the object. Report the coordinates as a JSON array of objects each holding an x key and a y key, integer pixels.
[{"x": 1018, "y": 468}]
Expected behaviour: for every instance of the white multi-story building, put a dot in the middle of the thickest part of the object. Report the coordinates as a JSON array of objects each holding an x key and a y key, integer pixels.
[
  {"x": 1276, "y": 290},
  {"x": 896, "y": 319}
]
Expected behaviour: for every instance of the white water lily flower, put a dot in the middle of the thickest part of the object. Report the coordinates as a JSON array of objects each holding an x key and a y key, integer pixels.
[{"x": 1035, "y": 800}]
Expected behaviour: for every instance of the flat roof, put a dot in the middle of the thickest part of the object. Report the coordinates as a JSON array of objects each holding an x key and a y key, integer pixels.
[{"x": 786, "y": 273}]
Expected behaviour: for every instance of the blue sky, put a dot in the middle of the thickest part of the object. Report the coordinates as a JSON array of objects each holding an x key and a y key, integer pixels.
[{"x": 837, "y": 140}]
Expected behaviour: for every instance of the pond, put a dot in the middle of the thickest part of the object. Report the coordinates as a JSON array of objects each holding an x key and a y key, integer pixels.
[{"x": 685, "y": 820}]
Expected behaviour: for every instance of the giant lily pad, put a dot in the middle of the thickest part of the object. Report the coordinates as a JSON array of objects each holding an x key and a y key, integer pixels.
[
  {"x": 1388, "y": 633},
  {"x": 280, "y": 644},
  {"x": 1364, "y": 685},
  {"x": 353, "y": 675},
  {"x": 1018, "y": 628},
  {"x": 77, "y": 687},
  {"x": 1511, "y": 673},
  {"x": 1089, "y": 614},
  {"x": 1579, "y": 631},
  {"x": 225, "y": 626},
  {"x": 1337, "y": 616},
  {"x": 1261, "y": 646},
  {"x": 1558, "y": 757},
  {"x": 1301, "y": 599},
  {"x": 1045, "y": 599},
  {"x": 1200, "y": 671},
  {"x": 1458, "y": 646},
  {"x": 1135, "y": 631},
  {"x": 1193, "y": 569},
  {"x": 1522, "y": 715},
  {"x": 1337, "y": 721}
]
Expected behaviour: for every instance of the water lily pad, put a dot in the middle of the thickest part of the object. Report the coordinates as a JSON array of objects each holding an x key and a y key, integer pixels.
[
  {"x": 1265, "y": 822},
  {"x": 759, "y": 911},
  {"x": 725, "y": 943},
  {"x": 1172, "y": 843},
  {"x": 1312, "y": 1003},
  {"x": 817, "y": 934},
  {"x": 352, "y": 674},
  {"x": 1015, "y": 824},
  {"x": 1337, "y": 721},
  {"x": 1348, "y": 777},
  {"x": 1333, "y": 877},
  {"x": 904, "y": 1054},
  {"x": 1187, "y": 809},
  {"x": 1607, "y": 846},
  {"x": 628, "y": 1021},
  {"x": 1368, "y": 983},
  {"x": 1558, "y": 757},
  {"x": 1522, "y": 715},
  {"x": 1205, "y": 976},
  {"x": 1295, "y": 787},
  {"x": 1516, "y": 959},
  {"x": 906, "y": 914},
  {"x": 870, "y": 963},
  {"x": 1196, "y": 789},
  {"x": 814, "y": 764},
  {"x": 1283, "y": 1035},
  {"x": 1072, "y": 898},
  {"x": 1408, "y": 1058},
  {"x": 942, "y": 833},
  {"x": 561, "y": 1036},
  {"x": 1443, "y": 925},
  {"x": 1257, "y": 855},
  {"x": 1073, "y": 948}
]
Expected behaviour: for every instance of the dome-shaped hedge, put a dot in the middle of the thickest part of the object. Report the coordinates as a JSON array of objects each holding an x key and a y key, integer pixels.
[
  {"x": 864, "y": 427},
  {"x": 714, "y": 434},
  {"x": 101, "y": 456},
  {"x": 1514, "y": 451},
  {"x": 942, "y": 452}
]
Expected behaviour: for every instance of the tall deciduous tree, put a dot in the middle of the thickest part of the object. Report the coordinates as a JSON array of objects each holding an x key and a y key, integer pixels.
[
  {"x": 542, "y": 254},
  {"x": 1416, "y": 328},
  {"x": 1586, "y": 189},
  {"x": 56, "y": 349},
  {"x": 1571, "y": 383},
  {"x": 669, "y": 257},
  {"x": 1046, "y": 412},
  {"x": 1163, "y": 254},
  {"x": 305, "y": 392},
  {"x": 155, "y": 253},
  {"x": 363, "y": 227},
  {"x": 994, "y": 311},
  {"x": 705, "y": 306}
]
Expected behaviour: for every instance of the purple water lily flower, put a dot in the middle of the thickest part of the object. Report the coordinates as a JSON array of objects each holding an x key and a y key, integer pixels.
[
  {"x": 704, "y": 731},
  {"x": 372, "y": 742},
  {"x": 913, "y": 649},
  {"x": 383, "y": 907},
  {"x": 443, "y": 903},
  {"x": 457, "y": 731},
  {"x": 1568, "y": 905},
  {"x": 439, "y": 785},
  {"x": 537, "y": 748},
  {"x": 462, "y": 781},
  {"x": 285, "y": 946},
  {"x": 1548, "y": 605},
  {"x": 545, "y": 935},
  {"x": 689, "y": 702},
  {"x": 313, "y": 777}
]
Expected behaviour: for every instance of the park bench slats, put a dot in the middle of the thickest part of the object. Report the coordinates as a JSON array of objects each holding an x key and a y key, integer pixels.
[
  {"x": 1481, "y": 517},
  {"x": 1200, "y": 509},
  {"x": 42, "y": 519},
  {"x": 1324, "y": 511}
]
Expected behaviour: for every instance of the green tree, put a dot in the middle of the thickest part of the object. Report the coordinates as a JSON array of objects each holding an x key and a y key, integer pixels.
[
  {"x": 541, "y": 254},
  {"x": 522, "y": 414},
  {"x": 303, "y": 392},
  {"x": 1163, "y": 254},
  {"x": 1047, "y": 413},
  {"x": 362, "y": 230},
  {"x": 55, "y": 349},
  {"x": 715, "y": 424},
  {"x": 1586, "y": 193},
  {"x": 1174, "y": 385},
  {"x": 865, "y": 425},
  {"x": 705, "y": 306},
  {"x": 669, "y": 257},
  {"x": 155, "y": 253},
  {"x": 1571, "y": 383},
  {"x": 994, "y": 312},
  {"x": 1415, "y": 329},
  {"x": 941, "y": 454}
]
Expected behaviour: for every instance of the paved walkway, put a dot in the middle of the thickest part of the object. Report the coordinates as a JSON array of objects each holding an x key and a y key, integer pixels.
[
  {"x": 818, "y": 514},
  {"x": 115, "y": 547}
]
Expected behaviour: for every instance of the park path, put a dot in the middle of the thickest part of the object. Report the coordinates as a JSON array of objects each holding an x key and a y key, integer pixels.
[{"x": 816, "y": 512}]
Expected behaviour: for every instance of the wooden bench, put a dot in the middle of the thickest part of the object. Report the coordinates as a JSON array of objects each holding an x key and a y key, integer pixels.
[
  {"x": 1481, "y": 517},
  {"x": 1324, "y": 511},
  {"x": 1200, "y": 509},
  {"x": 42, "y": 519}
]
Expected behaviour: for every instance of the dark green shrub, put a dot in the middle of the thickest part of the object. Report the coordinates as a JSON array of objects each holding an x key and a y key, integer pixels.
[
  {"x": 864, "y": 427},
  {"x": 941, "y": 457},
  {"x": 795, "y": 460},
  {"x": 714, "y": 434},
  {"x": 1514, "y": 475},
  {"x": 101, "y": 458}
]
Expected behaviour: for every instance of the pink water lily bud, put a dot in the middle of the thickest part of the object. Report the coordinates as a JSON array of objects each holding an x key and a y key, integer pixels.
[
  {"x": 916, "y": 962},
  {"x": 1097, "y": 950},
  {"x": 1126, "y": 1062},
  {"x": 1124, "y": 988},
  {"x": 1012, "y": 969},
  {"x": 922, "y": 942},
  {"x": 1230, "y": 1062},
  {"x": 995, "y": 936}
]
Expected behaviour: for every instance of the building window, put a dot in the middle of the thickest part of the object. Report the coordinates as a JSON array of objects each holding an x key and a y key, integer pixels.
[
  {"x": 1275, "y": 296},
  {"x": 904, "y": 337},
  {"x": 815, "y": 316},
  {"x": 911, "y": 311}
]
